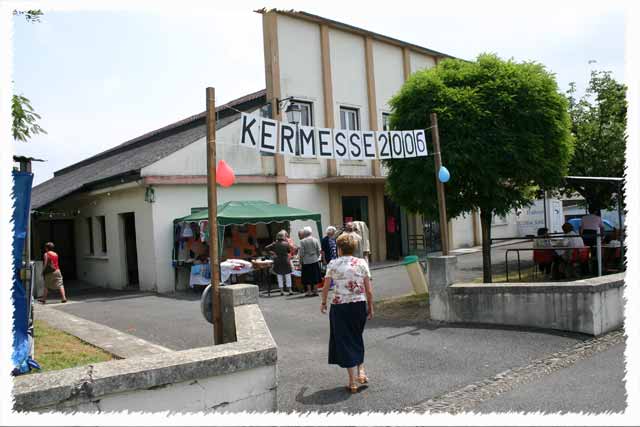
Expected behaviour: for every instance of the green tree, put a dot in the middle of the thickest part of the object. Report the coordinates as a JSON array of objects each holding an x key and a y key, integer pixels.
[
  {"x": 24, "y": 124},
  {"x": 504, "y": 130},
  {"x": 29, "y": 15},
  {"x": 599, "y": 122}
]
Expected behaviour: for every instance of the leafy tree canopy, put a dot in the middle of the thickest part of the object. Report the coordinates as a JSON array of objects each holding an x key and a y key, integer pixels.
[
  {"x": 504, "y": 131},
  {"x": 599, "y": 122},
  {"x": 24, "y": 124},
  {"x": 30, "y": 15}
]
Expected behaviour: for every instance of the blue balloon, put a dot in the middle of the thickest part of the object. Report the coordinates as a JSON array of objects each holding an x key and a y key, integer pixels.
[{"x": 443, "y": 174}]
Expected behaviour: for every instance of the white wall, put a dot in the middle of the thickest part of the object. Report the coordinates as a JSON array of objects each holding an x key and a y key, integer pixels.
[
  {"x": 462, "y": 231},
  {"x": 311, "y": 197},
  {"x": 175, "y": 201},
  {"x": 192, "y": 159},
  {"x": 109, "y": 270},
  {"x": 389, "y": 75},
  {"x": 300, "y": 55},
  {"x": 251, "y": 389},
  {"x": 349, "y": 74},
  {"x": 419, "y": 61}
]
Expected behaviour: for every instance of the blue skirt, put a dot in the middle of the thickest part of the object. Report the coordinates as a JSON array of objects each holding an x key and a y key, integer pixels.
[{"x": 346, "y": 346}]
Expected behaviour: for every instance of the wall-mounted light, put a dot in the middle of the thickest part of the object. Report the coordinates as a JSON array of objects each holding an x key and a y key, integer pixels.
[{"x": 150, "y": 195}]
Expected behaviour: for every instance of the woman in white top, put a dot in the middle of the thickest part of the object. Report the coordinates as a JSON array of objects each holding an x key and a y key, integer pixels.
[{"x": 351, "y": 306}]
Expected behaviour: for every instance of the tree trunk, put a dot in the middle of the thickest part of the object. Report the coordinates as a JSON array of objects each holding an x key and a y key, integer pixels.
[{"x": 485, "y": 223}]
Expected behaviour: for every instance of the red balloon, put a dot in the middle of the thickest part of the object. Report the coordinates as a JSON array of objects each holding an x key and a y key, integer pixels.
[{"x": 224, "y": 174}]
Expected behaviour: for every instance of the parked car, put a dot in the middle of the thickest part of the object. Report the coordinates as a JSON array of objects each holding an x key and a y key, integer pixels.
[{"x": 609, "y": 229}]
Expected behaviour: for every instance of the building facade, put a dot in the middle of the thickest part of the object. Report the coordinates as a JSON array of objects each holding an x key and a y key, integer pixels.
[{"x": 111, "y": 215}]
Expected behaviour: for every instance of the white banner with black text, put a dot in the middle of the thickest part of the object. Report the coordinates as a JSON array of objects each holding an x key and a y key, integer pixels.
[{"x": 272, "y": 136}]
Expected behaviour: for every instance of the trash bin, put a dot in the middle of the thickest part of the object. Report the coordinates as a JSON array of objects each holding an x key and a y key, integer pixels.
[{"x": 416, "y": 274}]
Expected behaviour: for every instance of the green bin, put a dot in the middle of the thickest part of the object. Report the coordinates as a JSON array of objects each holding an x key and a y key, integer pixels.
[{"x": 416, "y": 275}]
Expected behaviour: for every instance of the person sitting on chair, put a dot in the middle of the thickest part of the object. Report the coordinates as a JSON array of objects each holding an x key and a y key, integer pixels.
[{"x": 572, "y": 241}]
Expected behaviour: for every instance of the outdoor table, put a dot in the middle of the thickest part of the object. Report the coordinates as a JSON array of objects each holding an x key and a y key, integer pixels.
[
  {"x": 230, "y": 267},
  {"x": 262, "y": 267}
]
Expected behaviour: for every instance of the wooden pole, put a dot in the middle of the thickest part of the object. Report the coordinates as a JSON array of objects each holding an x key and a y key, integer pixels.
[
  {"x": 212, "y": 199},
  {"x": 444, "y": 225}
]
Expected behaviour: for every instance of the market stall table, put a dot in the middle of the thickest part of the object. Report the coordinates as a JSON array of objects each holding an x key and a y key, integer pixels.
[{"x": 234, "y": 267}]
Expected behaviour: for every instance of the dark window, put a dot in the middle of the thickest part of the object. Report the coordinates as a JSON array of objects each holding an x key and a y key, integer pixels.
[
  {"x": 385, "y": 121},
  {"x": 90, "y": 229},
  {"x": 349, "y": 118},
  {"x": 103, "y": 234}
]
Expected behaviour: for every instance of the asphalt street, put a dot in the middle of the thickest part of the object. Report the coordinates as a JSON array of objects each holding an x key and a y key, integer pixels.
[
  {"x": 407, "y": 361},
  {"x": 571, "y": 390}
]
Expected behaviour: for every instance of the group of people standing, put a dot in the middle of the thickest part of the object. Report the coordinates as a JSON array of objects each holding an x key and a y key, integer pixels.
[{"x": 314, "y": 255}]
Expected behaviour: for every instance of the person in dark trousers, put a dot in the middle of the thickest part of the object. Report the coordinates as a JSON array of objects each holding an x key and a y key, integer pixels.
[
  {"x": 351, "y": 307},
  {"x": 309, "y": 253},
  {"x": 328, "y": 244},
  {"x": 282, "y": 262},
  {"x": 589, "y": 227}
]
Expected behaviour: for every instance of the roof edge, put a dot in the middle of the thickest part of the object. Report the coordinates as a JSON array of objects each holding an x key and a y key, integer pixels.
[{"x": 353, "y": 29}]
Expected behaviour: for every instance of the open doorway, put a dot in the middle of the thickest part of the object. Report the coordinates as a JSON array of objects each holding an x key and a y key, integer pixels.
[
  {"x": 61, "y": 233},
  {"x": 393, "y": 228},
  {"x": 130, "y": 249},
  {"x": 355, "y": 208}
]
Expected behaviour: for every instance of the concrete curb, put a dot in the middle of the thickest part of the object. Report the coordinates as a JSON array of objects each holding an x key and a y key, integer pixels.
[{"x": 115, "y": 342}]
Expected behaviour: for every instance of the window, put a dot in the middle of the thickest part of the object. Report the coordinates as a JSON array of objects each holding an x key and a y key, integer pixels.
[
  {"x": 385, "y": 121},
  {"x": 90, "y": 230},
  {"x": 306, "y": 118},
  {"x": 349, "y": 118},
  {"x": 103, "y": 233}
]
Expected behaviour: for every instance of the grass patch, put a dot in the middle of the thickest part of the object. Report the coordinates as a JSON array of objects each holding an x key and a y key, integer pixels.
[
  {"x": 406, "y": 307},
  {"x": 58, "y": 350}
]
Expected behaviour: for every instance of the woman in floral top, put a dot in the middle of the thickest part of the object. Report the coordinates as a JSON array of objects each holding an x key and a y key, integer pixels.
[{"x": 351, "y": 306}]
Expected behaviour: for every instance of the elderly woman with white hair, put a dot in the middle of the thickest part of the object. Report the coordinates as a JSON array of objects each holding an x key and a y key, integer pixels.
[
  {"x": 309, "y": 254},
  {"x": 328, "y": 245}
]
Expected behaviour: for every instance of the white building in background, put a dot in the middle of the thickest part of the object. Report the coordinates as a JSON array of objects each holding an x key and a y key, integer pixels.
[{"x": 111, "y": 215}]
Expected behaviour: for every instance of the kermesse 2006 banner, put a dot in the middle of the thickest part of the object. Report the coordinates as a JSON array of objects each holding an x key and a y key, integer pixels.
[{"x": 272, "y": 136}]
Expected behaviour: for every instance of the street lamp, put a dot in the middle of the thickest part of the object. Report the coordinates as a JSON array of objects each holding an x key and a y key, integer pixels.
[{"x": 294, "y": 115}]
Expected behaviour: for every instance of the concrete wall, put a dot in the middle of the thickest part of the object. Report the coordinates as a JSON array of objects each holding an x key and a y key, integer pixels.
[
  {"x": 419, "y": 61},
  {"x": 314, "y": 197},
  {"x": 192, "y": 159},
  {"x": 109, "y": 269},
  {"x": 592, "y": 306},
  {"x": 239, "y": 376},
  {"x": 389, "y": 75}
]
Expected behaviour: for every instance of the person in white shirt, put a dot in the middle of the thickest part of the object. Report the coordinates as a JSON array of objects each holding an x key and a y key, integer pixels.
[
  {"x": 573, "y": 242},
  {"x": 590, "y": 225}
]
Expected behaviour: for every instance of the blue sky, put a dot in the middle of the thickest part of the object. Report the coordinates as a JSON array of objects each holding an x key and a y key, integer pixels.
[{"x": 101, "y": 77}]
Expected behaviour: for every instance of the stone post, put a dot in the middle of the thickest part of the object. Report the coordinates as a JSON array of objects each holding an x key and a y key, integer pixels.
[
  {"x": 441, "y": 272},
  {"x": 232, "y": 296}
]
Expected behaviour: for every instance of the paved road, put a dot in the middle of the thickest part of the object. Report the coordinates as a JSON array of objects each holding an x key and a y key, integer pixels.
[
  {"x": 594, "y": 385},
  {"x": 408, "y": 362}
]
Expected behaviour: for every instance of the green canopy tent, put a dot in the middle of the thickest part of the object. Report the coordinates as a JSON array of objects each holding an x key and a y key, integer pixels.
[{"x": 252, "y": 212}]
